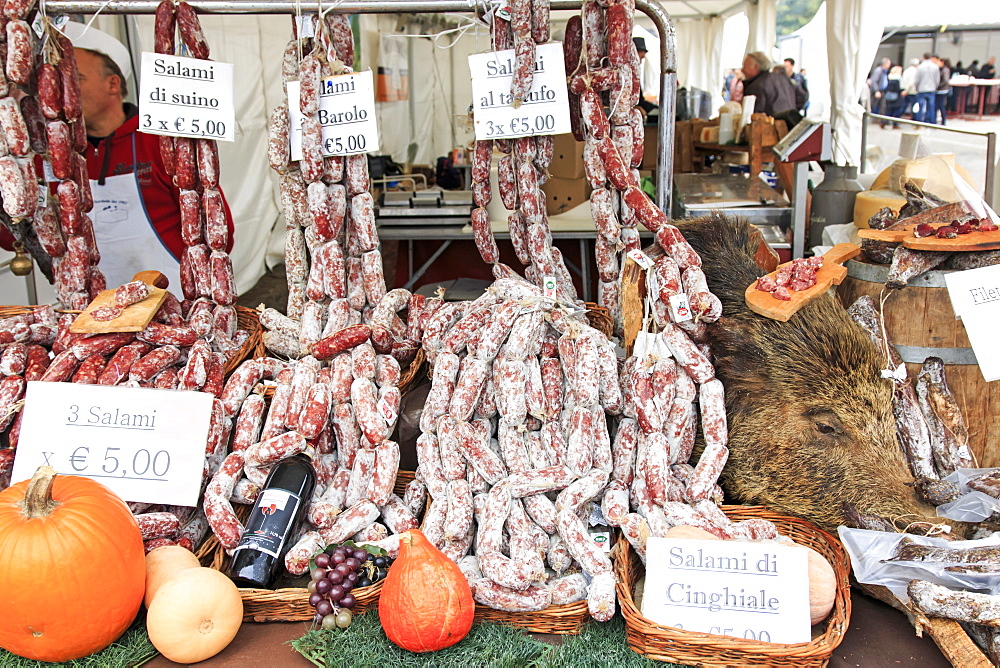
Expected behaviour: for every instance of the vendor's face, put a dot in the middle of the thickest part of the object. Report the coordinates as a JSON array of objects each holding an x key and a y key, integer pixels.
[
  {"x": 750, "y": 67},
  {"x": 99, "y": 91}
]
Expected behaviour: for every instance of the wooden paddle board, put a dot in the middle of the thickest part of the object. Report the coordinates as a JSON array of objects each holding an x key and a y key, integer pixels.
[
  {"x": 974, "y": 241},
  {"x": 831, "y": 272},
  {"x": 134, "y": 318}
]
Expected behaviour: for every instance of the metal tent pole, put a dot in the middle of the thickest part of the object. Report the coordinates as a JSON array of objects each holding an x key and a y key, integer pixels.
[{"x": 651, "y": 8}]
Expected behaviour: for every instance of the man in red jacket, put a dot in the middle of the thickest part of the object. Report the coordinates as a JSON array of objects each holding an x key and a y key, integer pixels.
[{"x": 136, "y": 205}]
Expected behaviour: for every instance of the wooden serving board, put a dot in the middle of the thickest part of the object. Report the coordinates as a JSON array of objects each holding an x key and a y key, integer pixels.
[
  {"x": 974, "y": 241},
  {"x": 831, "y": 272},
  {"x": 133, "y": 318}
]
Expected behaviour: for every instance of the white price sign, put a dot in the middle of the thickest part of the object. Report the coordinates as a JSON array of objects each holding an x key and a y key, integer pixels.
[
  {"x": 975, "y": 298},
  {"x": 755, "y": 591},
  {"x": 186, "y": 97},
  {"x": 545, "y": 111},
  {"x": 346, "y": 112},
  {"x": 146, "y": 445}
]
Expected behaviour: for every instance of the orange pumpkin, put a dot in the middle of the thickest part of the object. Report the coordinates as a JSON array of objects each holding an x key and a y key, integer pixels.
[
  {"x": 71, "y": 567},
  {"x": 426, "y": 603}
]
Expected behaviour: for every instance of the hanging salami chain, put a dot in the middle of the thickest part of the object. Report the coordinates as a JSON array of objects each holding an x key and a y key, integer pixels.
[
  {"x": 193, "y": 164},
  {"x": 333, "y": 260},
  {"x": 525, "y": 163},
  {"x": 41, "y": 115}
]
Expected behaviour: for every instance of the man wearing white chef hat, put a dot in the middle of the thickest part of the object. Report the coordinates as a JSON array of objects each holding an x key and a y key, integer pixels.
[{"x": 136, "y": 205}]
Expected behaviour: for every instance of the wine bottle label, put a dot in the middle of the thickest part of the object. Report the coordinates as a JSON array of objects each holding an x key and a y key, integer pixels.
[{"x": 270, "y": 523}]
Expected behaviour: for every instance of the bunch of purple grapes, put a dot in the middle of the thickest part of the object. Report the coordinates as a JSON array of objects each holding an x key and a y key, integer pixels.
[{"x": 337, "y": 572}]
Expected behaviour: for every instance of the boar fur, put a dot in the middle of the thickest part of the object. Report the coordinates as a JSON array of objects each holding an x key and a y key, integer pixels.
[{"x": 811, "y": 429}]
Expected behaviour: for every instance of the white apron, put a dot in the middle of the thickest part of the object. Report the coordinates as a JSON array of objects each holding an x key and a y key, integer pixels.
[{"x": 125, "y": 234}]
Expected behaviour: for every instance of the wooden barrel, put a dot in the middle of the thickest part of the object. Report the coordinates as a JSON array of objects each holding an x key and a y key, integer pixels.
[{"x": 921, "y": 324}]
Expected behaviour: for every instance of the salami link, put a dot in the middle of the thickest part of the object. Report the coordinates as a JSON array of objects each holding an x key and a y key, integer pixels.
[
  {"x": 356, "y": 174},
  {"x": 165, "y": 26},
  {"x": 483, "y": 235},
  {"x": 524, "y": 70},
  {"x": 311, "y": 163},
  {"x": 158, "y": 525},
  {"x": 601, "y": 595},
  {"x": 352, "y": 520},
  {"x": 185, "y": 164},
  {"x": 471, "y": 379},
  {"x": 216, "y": 227},
  {"x": 595, "y": 33},
  {"x": 383, "y": 472},
  {"x": 19, "y": 52},
  {"x": 372, "y": 424},
  {"x": 191, "y": 33},
  {"x": 278, "y": 129},
  {"x": 298, "y": 556}
]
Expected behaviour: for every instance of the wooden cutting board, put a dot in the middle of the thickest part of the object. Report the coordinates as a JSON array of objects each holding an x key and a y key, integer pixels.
[
  {"x": 974, "y": 241},
  {"x": 133, "y": 318},
  {"x": 831, "y": 272}
]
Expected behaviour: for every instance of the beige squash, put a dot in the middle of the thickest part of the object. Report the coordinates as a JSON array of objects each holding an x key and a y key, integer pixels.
[
  {"x": 195, "y": 615},
  {"x": 164, "y": 563}
]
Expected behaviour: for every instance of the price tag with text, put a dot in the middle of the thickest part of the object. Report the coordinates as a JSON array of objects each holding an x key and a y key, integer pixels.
[
  {"x": 544, "y": 112},
  {"x": 755, "y": 591},
  {"x": 146, "y": 445},
  {"x": 186, "y": 97},
  {"x": 346, "y": 112},
  {"x": 975, "y": 298}
]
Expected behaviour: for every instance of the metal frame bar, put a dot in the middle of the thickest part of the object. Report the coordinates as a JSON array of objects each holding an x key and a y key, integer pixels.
[
  {"x": 991, "y": 146},
  {"x": 651, "y": 8}
]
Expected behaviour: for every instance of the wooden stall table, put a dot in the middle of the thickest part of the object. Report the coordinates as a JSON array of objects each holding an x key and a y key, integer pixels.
[
  {"x": 878, "y": 636},
  {"x": 982, "y": 87}
]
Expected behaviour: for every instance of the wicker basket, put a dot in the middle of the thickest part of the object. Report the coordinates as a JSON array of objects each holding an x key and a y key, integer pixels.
[
  {"x": 600, "y": 319},
  {"x": 254, "y": 345},
  {"x": 665, "y": 643},
  {"x": 246, "y": 320},
  {"x": 567, "y": 619},
  {"x": 289, "y": 604},
  {"x": 414, "y": 373}
]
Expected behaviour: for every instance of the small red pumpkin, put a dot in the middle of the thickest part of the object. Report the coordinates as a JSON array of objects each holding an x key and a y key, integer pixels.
[
  {"x": 72, "y": 572},
  {"x": 426, "y": 603}
]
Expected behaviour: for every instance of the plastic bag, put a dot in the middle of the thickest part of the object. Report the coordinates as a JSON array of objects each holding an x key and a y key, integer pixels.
[
  {"x": 972, "y": 506},
  {"x": 869, "y": 550}
]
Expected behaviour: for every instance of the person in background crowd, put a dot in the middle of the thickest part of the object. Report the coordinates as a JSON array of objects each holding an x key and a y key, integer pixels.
[
  {"x": 730, "y": 75},
  {"x": 877, "y": 82},
  {"x": 958, "y": 69},
  {"x": 776, "y": 95},
  {"x": 926, "y": 83},
  {"x": 894, "y": 99},
  {"x": 988, "y": 70},
  {"x": 799, "y": 79},
  {"x": 943, "y": 89},
  {"x": 907, "y": 83},
  {"x": 644, "y": 104},
  {"x": 736, "y": 87},
  {"x": 973, "y": 69}
]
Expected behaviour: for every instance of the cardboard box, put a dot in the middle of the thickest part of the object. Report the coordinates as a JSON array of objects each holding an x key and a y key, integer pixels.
[
  {"x": 567, "y": 158},
  {"x": 649, "y": 137},
  {"x": 561, "y": 195}
]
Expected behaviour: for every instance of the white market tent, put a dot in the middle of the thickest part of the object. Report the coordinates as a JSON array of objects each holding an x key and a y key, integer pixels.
[{"x": 434, "y": 49}]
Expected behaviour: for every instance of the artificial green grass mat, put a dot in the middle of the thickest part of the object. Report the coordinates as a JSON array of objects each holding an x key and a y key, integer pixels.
[
  {"x": 488, "y": 645},
  {"x": 132, "y": 649}
]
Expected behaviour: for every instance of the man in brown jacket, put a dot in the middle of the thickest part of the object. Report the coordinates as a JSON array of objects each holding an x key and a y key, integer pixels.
[{"x": 776, "y": 95}]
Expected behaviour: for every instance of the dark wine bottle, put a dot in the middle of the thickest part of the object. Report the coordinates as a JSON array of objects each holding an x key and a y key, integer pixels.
[{"x": 260, "y": 555}]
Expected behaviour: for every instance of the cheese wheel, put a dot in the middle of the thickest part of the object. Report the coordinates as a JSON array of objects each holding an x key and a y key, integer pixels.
[{"x": 868, "y": 202}]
